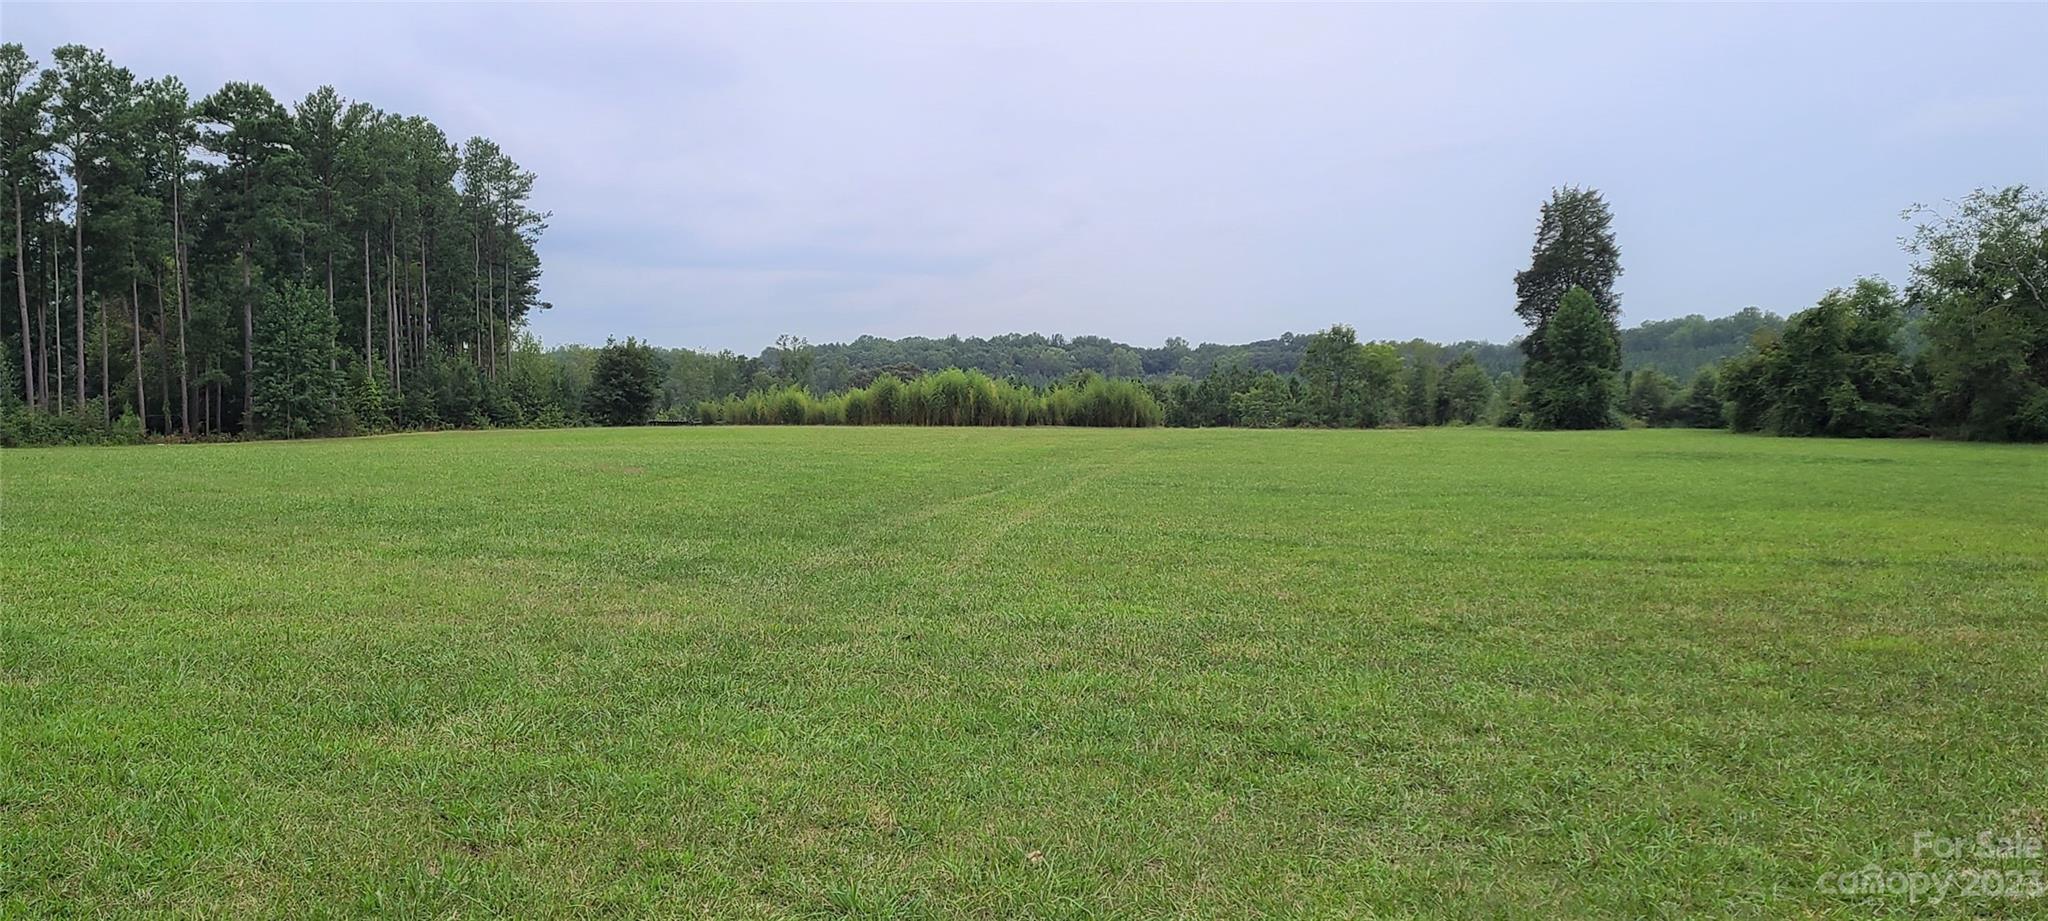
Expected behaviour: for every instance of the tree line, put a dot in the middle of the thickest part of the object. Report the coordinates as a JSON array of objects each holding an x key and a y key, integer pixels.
[
  {"x": 1677, "y": 347},
  {"x": 188, "y": 268},
  {"x": 235, "y": 265},
  {"x": 1962, "y": 351}
]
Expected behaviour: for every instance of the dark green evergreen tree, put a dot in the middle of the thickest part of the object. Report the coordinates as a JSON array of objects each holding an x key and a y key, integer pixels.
[
  {"x": 1574, "y": 385},
  {"x": 623, "y": 384},
  {"x": 298, "y": 389}
]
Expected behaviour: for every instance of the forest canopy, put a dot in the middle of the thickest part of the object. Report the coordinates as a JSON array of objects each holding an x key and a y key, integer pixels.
[{"x": 160, "y": 243}]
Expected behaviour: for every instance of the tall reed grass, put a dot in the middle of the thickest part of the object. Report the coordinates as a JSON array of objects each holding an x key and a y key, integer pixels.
[{"x": 949, "y": 397}]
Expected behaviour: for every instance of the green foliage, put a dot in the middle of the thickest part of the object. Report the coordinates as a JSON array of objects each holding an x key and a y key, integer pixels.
[
  {"x": 1683, "y": 346},
  {"x": 456, "y": 388},
  {"x": 1982, "y": 278},
  {"x": 949, "y": 397},
  {"x": 1202, "y": 395},
  {"x": 1425, "y": 399},
  {"x": 1700, "y": 406},
  {"x": 1651, "y": 397},
  {"x": 1677, "y": 347},
  {"x": 693, "y": 377},
  {"x": 1574, "y": 248},
  {"x": 1510, "y": 406},
  {"x": 298, "y": 390},
  {"x": 77, "y": 425},
  {"x": 367, "y": 401},
  {"x": 418, "y": 409},
  {"x": 423, "y": 249},
  {"x": 623, "y": 384},
  {"x": 161, "y": 223},
  {"x": 1268, "y": 404},
  {"x": 793, "y": 360},
  {"x": 1346, "y": 384},
  {"x": 1574, "y": 386},
  {"x": 1837, "y": 370},
  {"x": 1124, "y": 363},
  {"x": 1468, "y": 392},
  {"x": 1331, "y": 367},
  {"x": 11, "y": 393},
  {"x": 1378, "y": 398},
  {"x": 1209, "y": 401},
  {"x": 535, "y": 388}
]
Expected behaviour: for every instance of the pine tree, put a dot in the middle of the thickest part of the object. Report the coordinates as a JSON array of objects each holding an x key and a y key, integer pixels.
[
  {"x": 1574, "y": 386},
  {"x": 23, "y": 139},
  {"x": 298, "y": 391},
  {"x": 259, "y": 193},
  {"x": 366, "y": 400}
]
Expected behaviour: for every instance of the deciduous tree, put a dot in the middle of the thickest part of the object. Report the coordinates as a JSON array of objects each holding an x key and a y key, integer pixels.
[
  {"x": 1575, "y": 248},
  {"x": 1982, "y": 278}
]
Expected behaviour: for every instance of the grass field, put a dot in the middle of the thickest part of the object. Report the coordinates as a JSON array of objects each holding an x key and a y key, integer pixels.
[{"x": 1020, "y": 672}]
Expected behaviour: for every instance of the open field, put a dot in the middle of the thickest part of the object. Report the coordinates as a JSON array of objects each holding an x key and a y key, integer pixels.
[{"x": 1018, "y": 672}]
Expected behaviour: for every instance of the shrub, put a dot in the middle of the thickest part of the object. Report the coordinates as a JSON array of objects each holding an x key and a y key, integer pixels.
[{"x": 624, "y": 383}]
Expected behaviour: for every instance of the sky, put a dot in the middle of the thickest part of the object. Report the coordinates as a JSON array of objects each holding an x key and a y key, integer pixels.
[{"x": 722, "y": 174}]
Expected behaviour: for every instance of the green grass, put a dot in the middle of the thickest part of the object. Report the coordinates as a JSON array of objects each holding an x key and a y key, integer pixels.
[{"x": 1016, "y": 672}]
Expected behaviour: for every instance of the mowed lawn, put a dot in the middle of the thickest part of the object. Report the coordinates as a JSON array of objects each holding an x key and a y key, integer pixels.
[{"x": 742, "y": 672}]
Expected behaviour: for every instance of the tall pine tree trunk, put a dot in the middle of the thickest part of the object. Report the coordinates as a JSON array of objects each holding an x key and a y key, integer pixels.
[
  {"x": 405, "y": 321},
  {"x": 490, "y": 290},
  {"x": 506, "y": 303},
  {"x": 163, "y": 352},
  {"x": 367, "y": 324},
  {"x": 490, "y": 316},
  {"x": 135, "y": 331},
  {"x": 184, "y": 298},
  {"x": 327, "y": 241},
  {"x": 106, "y": 385},
  {"x": 78, "y": 278},
  {"x": 46, "y": 294},
  {"x": 57, "y": 314},
  {"x": 391, "y": 311},
  {"x": 504, "y": 300},
  {"x": 333, "y": 356},
  {"x": 248, "y": 343},
  {"x": 426, "y": 314},
  {"x": 28, "y": 360},
  {"x": 476, "y": 301}
]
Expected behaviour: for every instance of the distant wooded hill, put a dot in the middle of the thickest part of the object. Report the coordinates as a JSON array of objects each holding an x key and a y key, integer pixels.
[{"x": 1678, "y": 347}]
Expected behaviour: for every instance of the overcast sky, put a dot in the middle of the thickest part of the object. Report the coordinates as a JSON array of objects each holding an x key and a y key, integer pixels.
[{"x": 721, "y": 174}]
